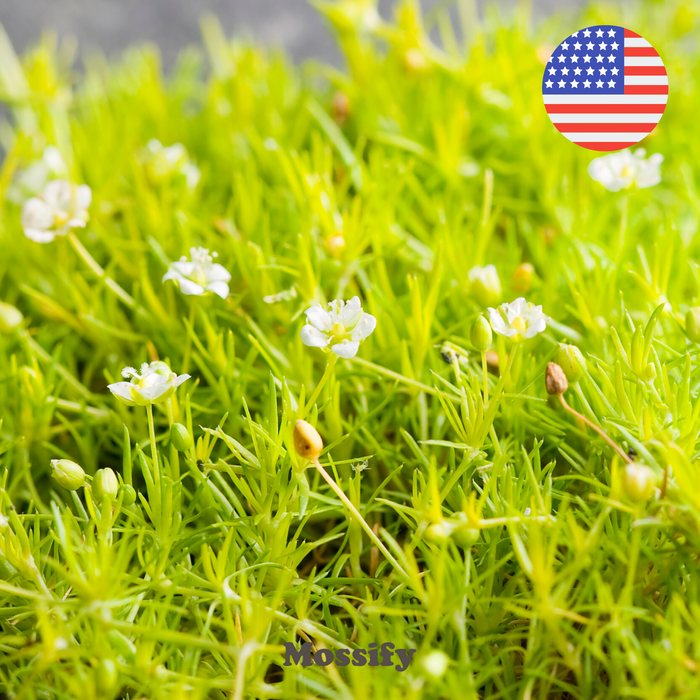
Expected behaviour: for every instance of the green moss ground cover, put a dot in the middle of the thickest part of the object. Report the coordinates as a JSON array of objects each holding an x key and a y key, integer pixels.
[{"x": 388, "y": 180}]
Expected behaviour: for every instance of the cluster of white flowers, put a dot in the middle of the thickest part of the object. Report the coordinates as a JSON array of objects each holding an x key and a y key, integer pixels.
[
  {"x": 155, "y": 383},
  {"x": 59, "y": 209},
  {"x": 518, "y": 320},
  {"x": 339, "y": 329},
  {"x": 166, "y": 161},
  {"x": 624, "y": 170},
  {"x": 199, "y": 275}
]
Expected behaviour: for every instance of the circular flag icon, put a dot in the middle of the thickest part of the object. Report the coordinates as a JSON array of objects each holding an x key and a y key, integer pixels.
[{"x": 605, "y": 88}]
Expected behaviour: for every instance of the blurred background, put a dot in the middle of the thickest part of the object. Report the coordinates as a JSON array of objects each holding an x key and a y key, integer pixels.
[{"x": 113, "y": 25}]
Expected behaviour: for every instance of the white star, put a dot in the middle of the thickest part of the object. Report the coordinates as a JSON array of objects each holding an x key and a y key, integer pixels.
[
  {"x": 549, "y": 60},
  {"x": 611, "y": 58},
  {"x": 611, "y": 32},
  {"x": 577, "y": 46},
  {"x": 599, "y": 84},
  {"x": 561, "y": 83},
  {"x": 574, "y": 59},
  {"x": 574, "y": 83},
  {"x": 603, "y": 71},
  {"x": 586, "y": 83},
  {"x": 586, "y": 33},
  {"x": 602, "y": 46},
  {"x": 590, "y": 71},
  {"x": 565, "y": 46},
  {"x": 611, "y": 83},
  {"x": 549, "y": 83},
  {"x": 614, "y": 46},
  {"x": 599, "y": 32},
  {"x": 586, "y": 59},
  {"x": 561, "y": 58},
  {"x": 565, "y": 71},
  {"x": 577, "y": 71},
  {"x": 552, "y": 71},
  {"x": 614, "y": 71},
  {"x": 575, "y": 34},
  {"x": 599, "y": 58},
  {"x": 589, "y": 46}
]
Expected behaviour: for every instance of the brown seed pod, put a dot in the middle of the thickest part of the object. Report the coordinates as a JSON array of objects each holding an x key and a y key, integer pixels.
[
  {"x": 307, "y": 441},
  {"x": 555, "y": 380}
]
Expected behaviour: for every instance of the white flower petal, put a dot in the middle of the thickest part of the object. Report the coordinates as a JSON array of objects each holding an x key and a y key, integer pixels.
[
  {"x": 180, "y": 379},
  {"x": 364, "y": 328},
  {"x": 350, "y": 314},
  {"x": 36, "y": 214},
  {"x": 39, "y": 236},
  {"x": 313, "y": 337},
  {"x": 172, "y": 274},
  {"x": 220, "y": 288},
  {"x": 319, "y": 318},
  {"x": 58, "y": 194},
  {"x": 183, "y": 267},
  {"x": 498, "y": 323},
  {"x": 190, "y": 288},
  {"x": 218, "y": 273},
  {"x": 346, "y": 349},
  {"x": 122, "y": 390},
  {"x": 83, "y": 196}
]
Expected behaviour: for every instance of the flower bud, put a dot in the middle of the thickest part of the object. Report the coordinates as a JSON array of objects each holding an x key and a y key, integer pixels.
[
  {"x": 307, "y": 441},
  {"x": 481, "y": 334},
  {"x": 522, "y": 278},
  {"x": 180, "y": 437},
  {"x": 692, "y": 323},
  {"x": 465, "y": 537},
  {"x": 105, "y": 485},
  {"x": 638, "y": 482},
  {"x": 555, "y": 379},
  {"x": 67, "y": 474},
  {"x": 336, "y": 245},
  {"x": 128, "y": 494},
  {"x": 10, "y": 317},
  {"x": 570, "y": 359},
  {"x": 107, "y": 676},
  {"x": 435, "y": 663},
  {"x": 485, "y": 285},
  {"x": 439, "y": 532}
]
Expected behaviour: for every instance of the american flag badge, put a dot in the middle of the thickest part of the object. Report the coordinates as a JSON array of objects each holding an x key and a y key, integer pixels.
[{"x": 605, "y": 88}]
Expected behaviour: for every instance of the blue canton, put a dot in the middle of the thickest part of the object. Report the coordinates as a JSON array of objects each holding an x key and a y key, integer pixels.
[{"x": 589, "y": 62}]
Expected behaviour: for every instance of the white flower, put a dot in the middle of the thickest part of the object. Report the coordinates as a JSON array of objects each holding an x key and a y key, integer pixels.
[
  {"x": 59, "y": 209},
  {"x": 165, "y": 161},
  {"x": 623, "y": 170},
  {"x": 154, "y": 383},
  {"x": 200, "y": 275},
  {"x": 340, "y": 329},
  {"x": 4, "y": 522},
  {"x": 31, "y": 180},
  {"x": 485, "y": 284},
  {"x": 517, "y": 320}
]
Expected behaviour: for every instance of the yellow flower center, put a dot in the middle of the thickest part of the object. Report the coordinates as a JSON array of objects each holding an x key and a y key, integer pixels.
[
  {"x": 338, "y": 329},
  {"x": 60, "y": 218},
  {"x": 519, "y": 324},
  {"x": 627, "y": 171}
]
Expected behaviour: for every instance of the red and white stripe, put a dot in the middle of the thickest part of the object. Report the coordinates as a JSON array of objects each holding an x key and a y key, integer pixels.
[{"x": 612, "y": 122}]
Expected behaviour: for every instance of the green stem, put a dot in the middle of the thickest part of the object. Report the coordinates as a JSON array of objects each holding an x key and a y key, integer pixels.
[
  {"x": 484, "y": 369},
  {"x": 99, "y": 272},
  {"x": 329, "y": 368},
  {"x": 363, "y": 523},
  {"x": 188, "y": 341},
  {"x": 154, "y": 450}
]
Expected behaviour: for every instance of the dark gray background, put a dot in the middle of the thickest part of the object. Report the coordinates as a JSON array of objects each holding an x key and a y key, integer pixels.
[{"x": 172, "y": 24}]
